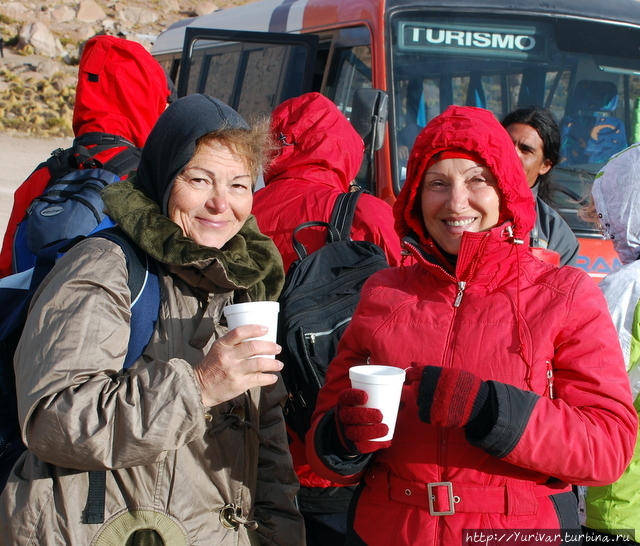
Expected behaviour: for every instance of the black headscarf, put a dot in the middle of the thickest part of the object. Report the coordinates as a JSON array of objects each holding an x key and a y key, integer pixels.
[
  {"x": 172, "y": 141},
  {"x": 139, "y": 206}
]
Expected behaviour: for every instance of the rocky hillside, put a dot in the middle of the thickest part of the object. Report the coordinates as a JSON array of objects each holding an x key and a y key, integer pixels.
[{"x": 41, "y": 40}]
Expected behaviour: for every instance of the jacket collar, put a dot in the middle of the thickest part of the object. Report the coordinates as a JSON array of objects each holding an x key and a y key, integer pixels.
[
  {"x": 249, "y": 260},
  {"x": 488, "y": 257}
]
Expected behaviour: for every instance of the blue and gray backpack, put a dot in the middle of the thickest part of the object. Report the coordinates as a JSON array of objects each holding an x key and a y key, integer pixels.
[
  {"x": 69, "y": 210},
  {"x": 71, "y": 204}
]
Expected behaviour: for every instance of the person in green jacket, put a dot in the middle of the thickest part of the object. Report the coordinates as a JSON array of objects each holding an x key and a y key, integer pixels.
[{"x": 614, "y": 509}]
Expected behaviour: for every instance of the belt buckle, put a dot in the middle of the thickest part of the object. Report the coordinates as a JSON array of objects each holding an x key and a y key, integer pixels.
[{"x": 431, "y": 498}]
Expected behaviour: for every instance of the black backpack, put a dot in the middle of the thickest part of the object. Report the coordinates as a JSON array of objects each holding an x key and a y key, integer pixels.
[
  {"x": 71, "y": 204},
  {"x": 319, "y": 297}
]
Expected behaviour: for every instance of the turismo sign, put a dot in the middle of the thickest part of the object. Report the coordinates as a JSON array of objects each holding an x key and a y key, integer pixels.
[{"x": 435, "y": 37}]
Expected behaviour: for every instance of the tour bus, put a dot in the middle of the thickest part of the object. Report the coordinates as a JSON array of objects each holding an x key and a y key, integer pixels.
[{"x": 392, "y": 65}]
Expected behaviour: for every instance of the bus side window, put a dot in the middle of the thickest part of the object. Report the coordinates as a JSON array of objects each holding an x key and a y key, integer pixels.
[
  {"x": 353, "y": 71},
  {"x": 221, "y": 73},
  {"x": 252, "y": 78},
  {"x": 262, "y": 79},
  {"x": 349, "y": 69},
  {"x": 349, "y": 66}
]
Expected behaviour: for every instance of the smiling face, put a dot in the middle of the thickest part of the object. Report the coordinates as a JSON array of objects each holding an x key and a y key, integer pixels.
[
  {"x": 212, "y": 197},
  {"x": 458, "y": 195},
  {"x": 530, "y": 150}
]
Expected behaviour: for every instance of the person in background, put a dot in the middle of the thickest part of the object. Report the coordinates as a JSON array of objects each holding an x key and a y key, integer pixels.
[
  {"x": 318, "y": 156},
  {"x": 615, "y": 207},
  {"x": 536, "y": 137},
  {"x": 414, "y": 100},
  {"x": 515, "y": 386},
  {"x": 121, "y": 92},
  {"x": 192, "y": 436}
]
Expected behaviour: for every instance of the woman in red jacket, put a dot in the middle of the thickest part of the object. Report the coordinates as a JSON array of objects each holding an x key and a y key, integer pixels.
[{"x": 516, "y": 385}]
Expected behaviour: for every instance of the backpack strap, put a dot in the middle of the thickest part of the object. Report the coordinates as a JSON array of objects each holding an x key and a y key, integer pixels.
[
  {"x": 94, "y": 509},
  {"x": 59, "y": 163},
  {"x": 145, "y": 305},
  {"x": 125, "y": 162},
  {"x": 338, "y": 227},
  {"x": 145, "y": 292},
  {"x": 62, "y": 161},
  {"x": 343, "y": 212},
  {"x": 104, "y": 140}
]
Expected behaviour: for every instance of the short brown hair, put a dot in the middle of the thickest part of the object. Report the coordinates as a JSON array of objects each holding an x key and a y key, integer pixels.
[{"x": 255, "y": 145}]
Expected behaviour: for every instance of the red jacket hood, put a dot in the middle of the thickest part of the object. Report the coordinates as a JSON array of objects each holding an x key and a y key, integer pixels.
[
  {"x": 121, "y": 90},
  {"x": 317, "y": 143},
  {"x": 476, "y": 130}
]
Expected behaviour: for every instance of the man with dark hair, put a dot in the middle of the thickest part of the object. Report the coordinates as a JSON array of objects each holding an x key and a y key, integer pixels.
[{"x": 536, "y": 137}]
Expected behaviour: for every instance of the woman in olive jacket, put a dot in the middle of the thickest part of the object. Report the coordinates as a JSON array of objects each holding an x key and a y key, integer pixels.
[{"x": 191, "y": 436}]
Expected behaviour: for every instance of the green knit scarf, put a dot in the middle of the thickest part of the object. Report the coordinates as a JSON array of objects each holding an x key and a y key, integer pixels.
[{"x": 249, "y": 260}]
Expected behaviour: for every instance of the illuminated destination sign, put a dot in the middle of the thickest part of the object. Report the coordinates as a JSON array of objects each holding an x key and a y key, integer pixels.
[{"x": 517, "y": 42}]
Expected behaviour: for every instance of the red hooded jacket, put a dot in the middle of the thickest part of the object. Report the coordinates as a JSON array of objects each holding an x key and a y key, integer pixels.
[
  {"x": 542, "y": 337},
  {"x": 319, "y": 155},
  {"x": 121, "y": 90}
]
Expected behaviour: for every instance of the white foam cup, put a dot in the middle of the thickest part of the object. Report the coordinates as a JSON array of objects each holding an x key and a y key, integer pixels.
[
  {"x": 383, "y": 385},
  {"x": 264, "y": 313}
]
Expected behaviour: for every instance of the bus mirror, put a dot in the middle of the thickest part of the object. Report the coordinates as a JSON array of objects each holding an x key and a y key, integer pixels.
[{"x": 369, "y": 113}]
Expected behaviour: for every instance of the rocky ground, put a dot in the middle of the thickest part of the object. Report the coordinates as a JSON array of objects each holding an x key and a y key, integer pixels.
[{"x": 38, "y": 68}]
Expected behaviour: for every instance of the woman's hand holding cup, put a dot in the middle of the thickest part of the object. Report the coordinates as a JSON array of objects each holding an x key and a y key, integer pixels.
[{"x": 236, "y": 363}]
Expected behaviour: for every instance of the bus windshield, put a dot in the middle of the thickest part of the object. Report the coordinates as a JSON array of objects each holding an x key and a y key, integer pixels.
[{"x": 580, "y": 70}]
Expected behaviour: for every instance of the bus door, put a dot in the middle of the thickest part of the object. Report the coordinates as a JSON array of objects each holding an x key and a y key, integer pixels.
[{"x": 252, "y": 72}]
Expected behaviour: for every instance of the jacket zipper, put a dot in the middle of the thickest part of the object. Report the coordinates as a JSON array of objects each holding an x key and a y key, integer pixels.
[
  {"x": 313, "y": 336},
  {"x": 461, "y": 286},
  {"x": 307, "y": 360},
  {"x": 549, "y": 379},
  {"x": 444, "y": 433},
  {"x": 456, "y": 304}
]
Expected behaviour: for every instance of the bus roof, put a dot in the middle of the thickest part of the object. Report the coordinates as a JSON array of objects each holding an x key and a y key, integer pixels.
[
  {"x": 621, "y": 11},
  {"x": 287, "y": 15},
  {"x": 255, "y": 17}
]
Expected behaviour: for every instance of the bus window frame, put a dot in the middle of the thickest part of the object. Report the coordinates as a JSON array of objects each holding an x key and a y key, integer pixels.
[
  {"x": 307, "y": 41},
  {"x": 546, "y": 89}
]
